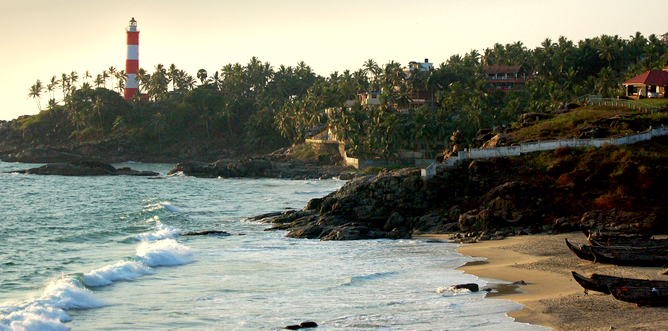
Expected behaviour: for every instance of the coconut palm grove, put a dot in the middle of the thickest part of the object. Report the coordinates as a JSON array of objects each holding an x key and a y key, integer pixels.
[{"x": 258, "y": 107}]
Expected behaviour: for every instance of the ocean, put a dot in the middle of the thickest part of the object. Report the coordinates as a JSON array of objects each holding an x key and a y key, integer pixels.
[{"x": 107, "y": 253}]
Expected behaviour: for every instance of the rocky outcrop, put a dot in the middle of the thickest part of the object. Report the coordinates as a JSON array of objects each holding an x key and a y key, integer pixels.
[
  {"x": 383, "y": 206},
  {"x": 258, "y": 168},
  {"x": 492, "y": 199},
  {"x": 457, "y": 144},
  {"x": 84, "y": 168},
  {"x": 497, "y": 140},
  {"x": 396, "y": 204}
]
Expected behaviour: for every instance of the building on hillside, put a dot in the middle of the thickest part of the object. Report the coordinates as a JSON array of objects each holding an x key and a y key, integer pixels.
[
  {"x": 418, "y": 96},
  {"x": 505, "y": 78},
  {"x": 421, "y": 66},
  {"x": 649, "y": 84},
  {"x": 369, "y": 98}
]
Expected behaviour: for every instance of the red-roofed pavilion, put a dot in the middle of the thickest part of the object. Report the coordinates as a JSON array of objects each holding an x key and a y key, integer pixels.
[{"x": 649, "y": 84}]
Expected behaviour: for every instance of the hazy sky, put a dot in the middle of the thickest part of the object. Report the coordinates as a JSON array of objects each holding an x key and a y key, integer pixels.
[{"x": 43, "y": 38}]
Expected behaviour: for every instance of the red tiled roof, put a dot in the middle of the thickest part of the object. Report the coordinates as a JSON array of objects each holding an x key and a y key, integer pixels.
[
  {"x": 501, "y": 69},
  {"x": 511, "y": 80},
  {"x": 653, "y": 77}
]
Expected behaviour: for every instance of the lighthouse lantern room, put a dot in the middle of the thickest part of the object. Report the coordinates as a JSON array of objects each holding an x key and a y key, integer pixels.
[{"x": 132, "y": 60}]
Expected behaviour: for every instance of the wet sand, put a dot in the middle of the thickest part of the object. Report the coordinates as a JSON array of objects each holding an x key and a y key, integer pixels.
[{"x": 551, "y": 297}]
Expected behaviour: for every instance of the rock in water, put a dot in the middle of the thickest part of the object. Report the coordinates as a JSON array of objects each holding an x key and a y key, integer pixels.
[
  {"x": 303, "y": 325},
  {"x": 309, "y": 324},
  {"x": 473, "y": 287},
  {"x": 84, "y": 168}
]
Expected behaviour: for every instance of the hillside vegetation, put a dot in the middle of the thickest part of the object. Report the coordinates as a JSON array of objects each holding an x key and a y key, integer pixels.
[{"x": 242, "y": 109}]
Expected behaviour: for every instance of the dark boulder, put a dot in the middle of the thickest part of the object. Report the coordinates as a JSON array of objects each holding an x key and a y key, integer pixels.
[
  {"x": 314, "y": 204},
  {"x": 303, "y": 325},
  {"x": 473, "y": 287},
  {"x": 196, "y": 169}
]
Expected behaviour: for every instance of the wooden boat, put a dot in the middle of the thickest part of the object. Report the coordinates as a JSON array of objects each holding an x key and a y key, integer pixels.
[
  {"x": 583, "y": 252},
  {"x": 630, "y": 256},
  {"x": 604, "y": 235},
  {"x": 602, "y": 283},
  {"x": 641, "y": 295},
  {"x": 629, "y": 242},
  {"x": 598, "y": 283}
]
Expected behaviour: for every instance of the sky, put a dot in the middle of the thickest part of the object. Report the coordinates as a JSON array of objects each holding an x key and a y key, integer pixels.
[{"x": 42, "y": 38}]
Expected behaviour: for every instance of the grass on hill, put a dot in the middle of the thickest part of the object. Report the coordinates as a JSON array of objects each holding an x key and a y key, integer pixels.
[
  {"x": 655, "y": 102},
  {"x": 629, "y": 178},
  {"x": 570, "y": 125}
]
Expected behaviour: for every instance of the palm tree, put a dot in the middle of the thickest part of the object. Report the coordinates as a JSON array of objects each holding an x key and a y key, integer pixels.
[
  {"x": 216, "y": 79},
  {"x": 371, "y": 67},
  {"x": 173, "y": 74},
  {"x": 105, "y": 76},
  {"x": 473, "y": 57},
  {"x": 121, "y": 77},
  {"x": 606, "y": 82},
  {"x": 190, "y": 82},
  {"x": 52, "y": 86},
  {"x": 179, "y": 80},
  {"x": 99, "y": 80},
  {"x": 52, "y": 103},
  {"x": 607, "y": 48},
  {"x": 87, "y": 75},
  {"x": 202, "y": 75},
  {"x": 65, "y": 85},
  {"x": 36, "y": 92},
  {"x": 143, "y": 78},
  {"x": 86, "y": 86},
  {"x": 112, "y": 74},
  {"x": 159, "y": 82},
  {"x": 74, "y": 78}
]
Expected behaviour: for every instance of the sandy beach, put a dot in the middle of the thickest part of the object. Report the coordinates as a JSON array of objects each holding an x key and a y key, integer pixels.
[{"x": 551, "y": 297}]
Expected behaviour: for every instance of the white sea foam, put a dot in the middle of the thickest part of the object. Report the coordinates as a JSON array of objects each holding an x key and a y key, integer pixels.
[
  {"x": 118, "y": 271},
  {"x": 48, "y": 312},
  {"x": 451, "y": 290},
  {"x": 170, "y": 207},
  {"x": 164, "y": 252},
  {"x": 161, "y": 232},
  {"x": 161, "y": 205}
]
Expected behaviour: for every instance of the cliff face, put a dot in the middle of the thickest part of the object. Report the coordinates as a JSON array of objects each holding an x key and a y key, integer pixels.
[{"x": 620, "y": 188}]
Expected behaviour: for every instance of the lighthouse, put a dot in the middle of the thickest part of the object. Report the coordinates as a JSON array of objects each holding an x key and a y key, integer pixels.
[{"x": 132, "y": 60}]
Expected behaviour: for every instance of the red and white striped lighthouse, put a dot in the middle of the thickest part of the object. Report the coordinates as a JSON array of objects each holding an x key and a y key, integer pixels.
[{"x": 132, "y": 61}]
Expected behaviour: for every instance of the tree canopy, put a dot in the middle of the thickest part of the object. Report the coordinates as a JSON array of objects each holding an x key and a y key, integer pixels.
[{"x": 257, "y": 107}]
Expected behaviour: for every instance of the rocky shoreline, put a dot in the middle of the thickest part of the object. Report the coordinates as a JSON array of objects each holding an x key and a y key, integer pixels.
[
  {"x": 84, "y": 168},
  {"x": 260, "y": 168},
  {"x": 267, "y": 166},
  {"x": 475, "y": 201}
]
